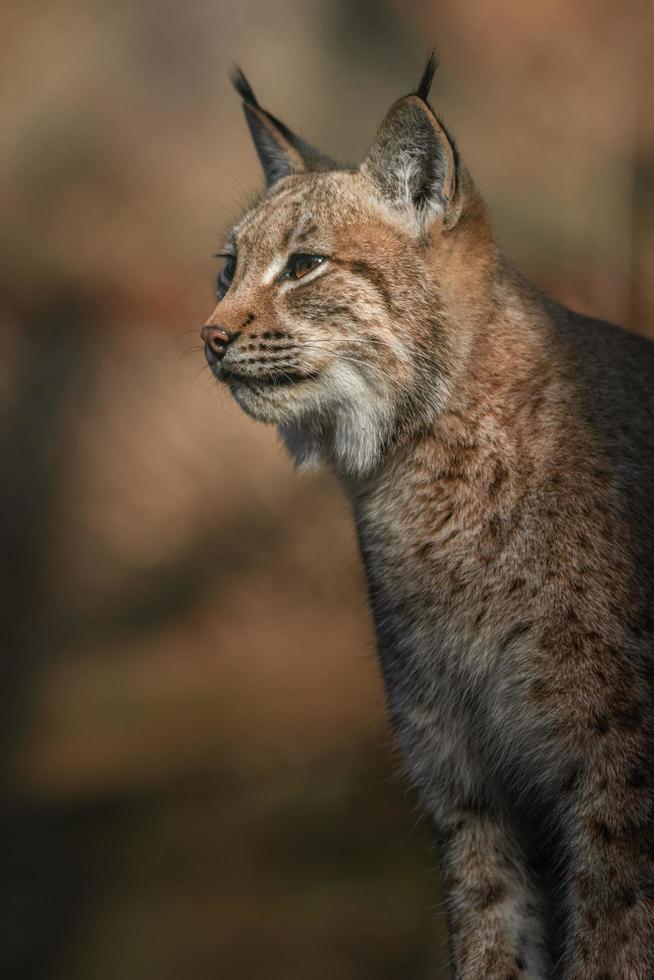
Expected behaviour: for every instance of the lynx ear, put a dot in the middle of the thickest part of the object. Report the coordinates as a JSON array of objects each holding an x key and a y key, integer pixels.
[
  {"x": 413, "y": 160},
  {"x": 280, "y": 151}
]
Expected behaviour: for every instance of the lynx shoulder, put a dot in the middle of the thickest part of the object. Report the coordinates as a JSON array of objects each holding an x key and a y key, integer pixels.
[{"x": 498, "y": 452}]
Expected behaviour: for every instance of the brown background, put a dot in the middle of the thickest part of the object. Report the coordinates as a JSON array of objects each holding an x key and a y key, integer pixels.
[{"x": 198, "y": 778}]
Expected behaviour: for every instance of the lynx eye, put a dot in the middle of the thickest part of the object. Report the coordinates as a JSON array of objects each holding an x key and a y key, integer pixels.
[
  {"x": 301, "y": 265},
  {"x": 226, "y": 275}
]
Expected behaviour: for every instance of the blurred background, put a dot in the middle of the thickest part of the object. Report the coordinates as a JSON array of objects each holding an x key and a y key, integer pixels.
[{"x": 198, "y": 779}]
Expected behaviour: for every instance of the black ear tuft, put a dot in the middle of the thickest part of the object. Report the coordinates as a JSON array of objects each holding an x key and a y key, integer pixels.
[
  {"x": 427, "y": 77},
  {"x": 413, "y": 162},
  {"x": 280, "y": 151},
  {"x": 243, "y": 87}
]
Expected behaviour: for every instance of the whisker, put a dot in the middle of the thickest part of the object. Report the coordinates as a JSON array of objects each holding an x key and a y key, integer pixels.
[
  {"x": 191, "y": 350},
  {"x": 388, "y": 345},
  {"x": 205, "y": 367},
  {"x": 355, "y": 360},
  {"x": 413, "y": 393}
]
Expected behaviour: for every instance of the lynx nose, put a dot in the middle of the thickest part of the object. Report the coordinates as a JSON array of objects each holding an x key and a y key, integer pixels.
[{"x": 216, "y": 340}]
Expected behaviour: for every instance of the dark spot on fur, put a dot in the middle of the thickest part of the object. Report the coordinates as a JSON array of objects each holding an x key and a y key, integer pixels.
[
  {"x": 489, "y": 894},
  {"x": 452, "y": 534},
  {"x": 539, "y": 689},
  {"x": 450, "y": 830},
  {"x": 452, "y": 476},
  {"x": 495, "y": 527},
  {"x": 286, "y": 237},
  {"x": 647, "y": 885},
  {"x": 279, "y": 348},
  {"x": 373, "y": 276},
  {"x": 601, "y": 724},
  {"x": 309, "y": 230},
  {"x": 627, "y": 897},
  {"x": 250, "y": 318},
  {"x": 500, "y": 477},
  {"x": 536, "y": 405},
  {"x": 441, "y": 524},
  {"x": 515, "y": 633},
  {"x": 630, "y": 717},
  {"x": 570, "y": 781},
  {"x": 480, "y": 616},
  {"x": 603, "y": 830}
]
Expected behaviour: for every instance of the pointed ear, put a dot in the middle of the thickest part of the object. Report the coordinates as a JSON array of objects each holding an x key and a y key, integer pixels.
[
  {"x": 413, "y": 161},
  {"x": 280, "y": 151}
]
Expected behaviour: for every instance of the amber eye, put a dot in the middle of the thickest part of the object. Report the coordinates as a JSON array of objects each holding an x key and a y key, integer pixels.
[
  {"x": 225, "y": 276},
  {"x": 301, "y": 265}
]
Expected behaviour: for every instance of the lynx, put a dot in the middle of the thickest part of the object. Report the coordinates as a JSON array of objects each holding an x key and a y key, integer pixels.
[{"x": 498, "y": 453}]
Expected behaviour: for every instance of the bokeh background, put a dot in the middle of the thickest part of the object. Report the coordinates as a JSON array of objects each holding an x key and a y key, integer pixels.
[{"x": 198, "y": 780}]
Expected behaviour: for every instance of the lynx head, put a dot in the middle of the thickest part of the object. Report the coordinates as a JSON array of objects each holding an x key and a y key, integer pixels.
[{"x": 340, "y": 288}]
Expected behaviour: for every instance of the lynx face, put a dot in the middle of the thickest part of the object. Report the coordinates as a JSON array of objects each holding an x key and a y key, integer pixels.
[{"x": 326, "y": 324}]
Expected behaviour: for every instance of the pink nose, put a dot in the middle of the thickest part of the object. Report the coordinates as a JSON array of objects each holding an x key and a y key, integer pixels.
[{"x": 215, "y": 338}]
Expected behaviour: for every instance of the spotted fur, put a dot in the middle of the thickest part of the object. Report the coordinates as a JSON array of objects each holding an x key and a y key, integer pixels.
[{"x": 498, "y": 453}]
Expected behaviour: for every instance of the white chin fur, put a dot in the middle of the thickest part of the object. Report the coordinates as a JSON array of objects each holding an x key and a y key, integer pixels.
[
  {"x": 275, "y": 406},
  {"x": 345, "y": 426}
]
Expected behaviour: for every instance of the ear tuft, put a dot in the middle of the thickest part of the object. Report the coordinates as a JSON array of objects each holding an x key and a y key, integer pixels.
[
  {"x": 427, "y": 77},
  {"x": 413, "y": 161},
  {"x": 280, "y": 150},
  {"x": 243, "y": 87}
]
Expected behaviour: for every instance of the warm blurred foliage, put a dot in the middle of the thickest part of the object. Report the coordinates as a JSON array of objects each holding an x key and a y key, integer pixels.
[{"x": 198, "y": 779}]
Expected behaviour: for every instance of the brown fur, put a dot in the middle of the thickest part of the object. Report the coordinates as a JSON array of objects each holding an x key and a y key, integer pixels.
[{"x": 504, "y": 525}]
